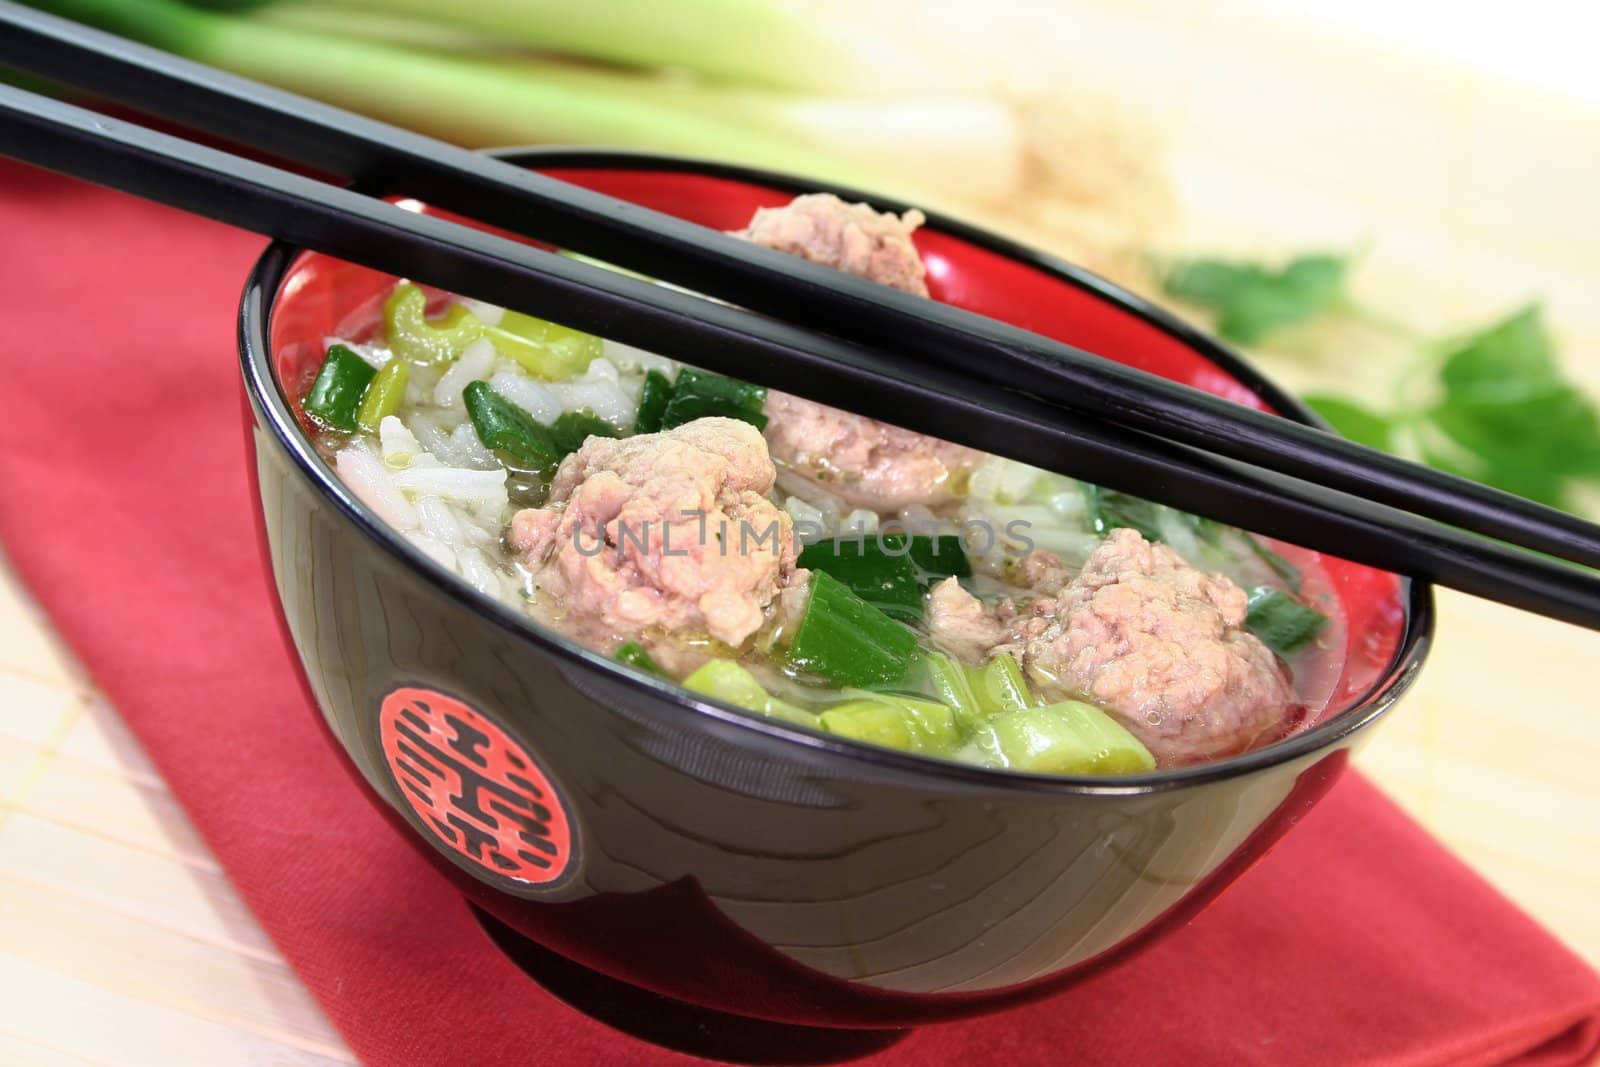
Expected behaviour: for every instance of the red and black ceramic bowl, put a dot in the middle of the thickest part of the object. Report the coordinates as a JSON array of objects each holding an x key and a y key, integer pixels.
[{"x": 703, "y": 853}]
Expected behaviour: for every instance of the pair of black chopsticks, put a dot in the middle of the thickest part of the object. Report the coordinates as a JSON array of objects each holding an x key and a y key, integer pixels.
[{"x": 923, "y": 365}]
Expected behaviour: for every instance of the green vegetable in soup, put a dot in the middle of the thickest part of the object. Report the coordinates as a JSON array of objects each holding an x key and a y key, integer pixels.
[
  {"x": 653, "y": 400},
  {"x": 847, "y": 641},
  {"x": 698, "y": 394},
  {"x": 502, "y": 426},
  {"x": 416, "y": 338},
  {"x": 882, "y": 575},
  {"x": 384, "y": 395},
  {"x": 725, "y": 680},
  {"x": 572, "y": 428},
  {"x": 946, "y": 679},
  {"x": 894, "y": 721},
  {"x": 1281, "y": 622},
  {"x": 544, "y": 349},
  {"x": 1110, "y": 510},
  {"x": 1070, "y": 737},
  {"x": 634, "y": 655},
  {"x": 998, "y": 685},
  {"x": 940, "y": 556},
  {"x": 335, "y": 397}
]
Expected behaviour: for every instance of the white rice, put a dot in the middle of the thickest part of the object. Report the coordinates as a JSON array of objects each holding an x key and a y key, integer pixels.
[
  {"x": 475, "y": 362},
  {"x": 600, "y": 390},
  {"x": 536, "y": 398}
]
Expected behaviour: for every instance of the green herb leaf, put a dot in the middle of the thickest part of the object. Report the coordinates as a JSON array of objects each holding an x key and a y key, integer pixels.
[
  {"x": 1359, "y": 424},
  {"x": 1251, "y": 300}
]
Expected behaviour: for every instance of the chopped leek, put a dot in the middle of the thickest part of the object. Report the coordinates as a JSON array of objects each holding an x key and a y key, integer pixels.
[
  {"x": 947, "y": 680},
  {"x": 725, "y": 680},
  {"x": 894, "y": 721},
  {"x": 848, "y": 641},
  {"x": 572, "y": 428},
  {"x": 418, "y": 339},
  {"x": 1066, "y": 738},
  {"x": 335, "y": 397},
  {"x": 544, "y": 349},
  {"x": 883, "y": 576},
  {"x": 998, "y": 685},
  {"x": 384, "y": 395},
  {"x": 510, "y": 431}
]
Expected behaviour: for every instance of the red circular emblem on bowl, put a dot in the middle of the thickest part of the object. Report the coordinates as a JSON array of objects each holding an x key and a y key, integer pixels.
[{"x": 473, "y": 787}]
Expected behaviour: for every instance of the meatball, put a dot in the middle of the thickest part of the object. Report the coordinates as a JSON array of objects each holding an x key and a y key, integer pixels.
[
  {"x": 867, "y": 463},
  {"x": 669, "y": 532},
  {"x": 849, "y": 237},
  {"x": 1139, "y": 632}
]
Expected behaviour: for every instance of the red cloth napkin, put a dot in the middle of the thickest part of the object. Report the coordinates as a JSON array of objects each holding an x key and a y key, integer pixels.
[{"x": 124, "y": 505}]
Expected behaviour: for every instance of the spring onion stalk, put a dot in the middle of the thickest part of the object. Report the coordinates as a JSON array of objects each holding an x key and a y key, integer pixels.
[
  {"x": 544, "y": 349},
  {"x": 384, "y": 395},
  {"x": 653, "y": 399},
  {"x": 753, "y": 42},
  {"x": 947, "y": 680},
  {"x": 725, "y": 680},
  {"x": 335, "y": 396},
  {"x": 516, "y": 436},
  {"x": 849, "y": 642},
  {"x": 882, "y": 575},
  {"x": 418, "y": 339},
  {"x": 893, "y": 721},
  {"x": 998, "y": 686},
  {"x": 698, "y": 394},
  {"x": 1066, "y": 738},
  {"x": 932, "y": 149},
  {"x": 635, "y": 655}
]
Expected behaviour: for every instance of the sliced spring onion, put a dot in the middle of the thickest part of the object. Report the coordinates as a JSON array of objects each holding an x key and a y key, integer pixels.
[
  {"x": 883, "y": 576},
  {"x": 335, "y": 397},
  {"x": 634, "y": 655},
  {"x": 416, "y": 338},
  {"x": 1281, "y": 622},
  {"x": 848, "y": 641},
  {"x": 895, "y": 721},
  {"x": 947, "y": 680},
  {"x": 1110, "y": 510},
  {"x": 1066, "y": 738},
  {"x": 384, "y": 395},
  {"x": 698, "y": 395},
  {"x": 571, "y": 429},
  {"x": 544, "y": 349},
  {"x": 942, "y": 556},
  {"x": 1280, "y": 566},
  {"x": 998, "y": 686},
  {"x": 510, "y": 431},
  {"x": 725, "y": 680},
  {"x": 653, "y": 400}
]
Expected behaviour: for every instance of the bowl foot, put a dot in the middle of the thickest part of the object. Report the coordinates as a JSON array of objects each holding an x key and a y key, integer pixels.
[{"x": 674, "y": 1024}]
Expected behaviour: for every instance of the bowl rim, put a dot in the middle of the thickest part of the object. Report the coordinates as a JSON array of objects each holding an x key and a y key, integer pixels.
[{"x": 273, "y": 410}]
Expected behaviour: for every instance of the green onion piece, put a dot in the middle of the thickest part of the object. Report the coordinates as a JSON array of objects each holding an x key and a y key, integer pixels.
[
  {"x": 572, "y": 428},
  {"x": 634, "y": 655},
  {"x": 653, "y": 399},
  {"x": 416, "y": 338},
  {"x": 544, "y": 349},
  {"x": 725, "y": 680},
  {"x": 848, "y": 641},
  {"x": 1280, "y": 566},
  {"x": 699, "y": 395},
  {"x": 998, "y": 686},
  {"x": 939, "y": 557},
  {"x": 335, "y": 397},
  {"x": 510, "y": 431},
  {"x": 882, "y": 575},
  {"x": 1066, "y": 738},
  {"x": 384, "y": 395},
  {"x": 894, "y": 721},
  {"x": 1281, "y": 622},
  {"x": 1110, "y": 510},
  {"x": 947, "y": 680}
]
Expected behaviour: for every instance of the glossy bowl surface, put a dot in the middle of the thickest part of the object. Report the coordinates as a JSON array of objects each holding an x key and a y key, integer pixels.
[{"x": 719, "y": 858}]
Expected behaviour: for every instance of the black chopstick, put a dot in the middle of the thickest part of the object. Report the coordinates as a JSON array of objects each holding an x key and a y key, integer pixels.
[
  {"x": 369, "y": 231},
  {"x": 381, "y": 156}
]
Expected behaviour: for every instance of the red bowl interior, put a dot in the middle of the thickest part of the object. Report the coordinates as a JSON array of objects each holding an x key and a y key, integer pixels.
[{"x": 322, "y": 296}]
